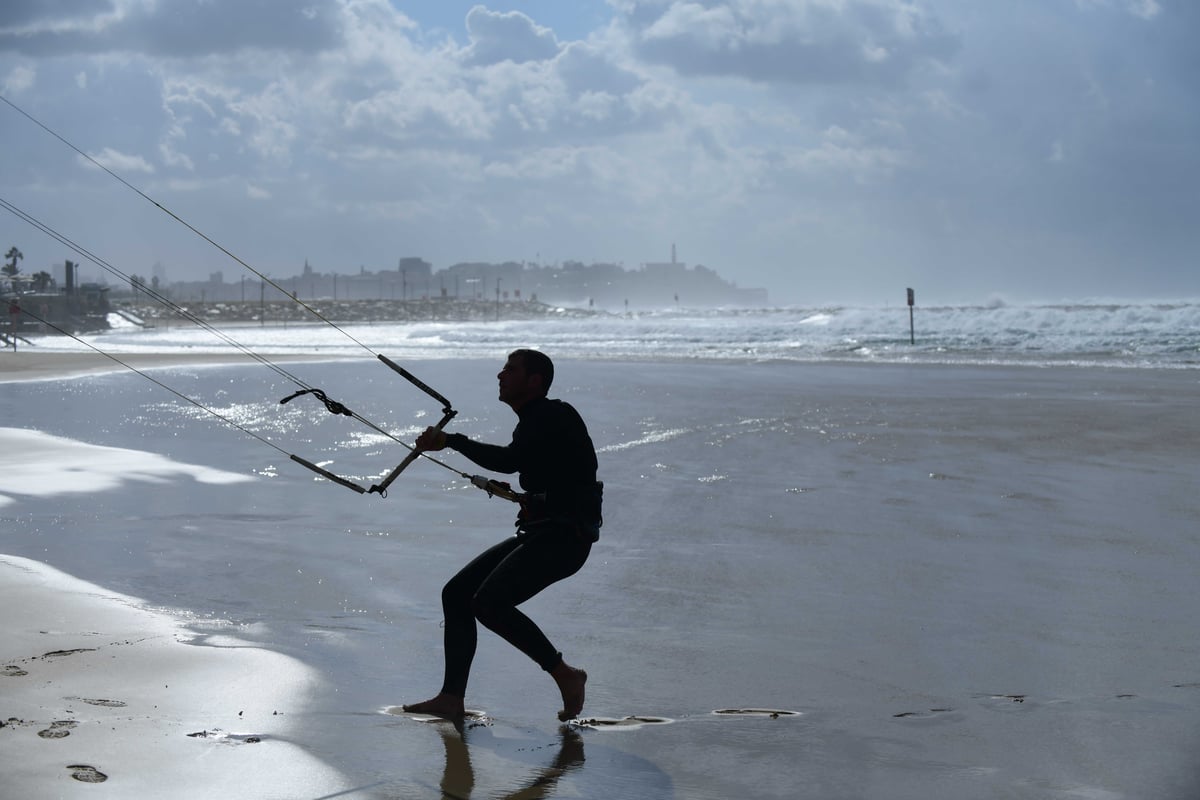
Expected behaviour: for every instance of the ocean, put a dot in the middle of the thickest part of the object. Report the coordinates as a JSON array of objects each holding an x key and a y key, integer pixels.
[
  {"x": 1091, "y": 333},
  {"x": 835, "y": 564}
]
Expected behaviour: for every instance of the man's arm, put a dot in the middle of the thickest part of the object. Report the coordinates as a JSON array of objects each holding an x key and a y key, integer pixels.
[{"x": 493, "y": 457}]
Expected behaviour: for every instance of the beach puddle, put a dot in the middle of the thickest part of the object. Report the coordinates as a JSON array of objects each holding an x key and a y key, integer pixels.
[{"x": 472, "y": 716}]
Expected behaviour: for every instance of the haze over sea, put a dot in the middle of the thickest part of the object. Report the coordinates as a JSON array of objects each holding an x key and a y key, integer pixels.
[{"x": 969, "y": 563}]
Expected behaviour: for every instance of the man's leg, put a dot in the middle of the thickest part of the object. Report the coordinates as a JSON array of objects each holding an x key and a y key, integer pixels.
[
  {"x": 460, "y": 635},
  {"x": 538, "y": 561}
]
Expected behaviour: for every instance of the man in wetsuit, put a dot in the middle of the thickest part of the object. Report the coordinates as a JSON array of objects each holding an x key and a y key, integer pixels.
[{"x": 558, "y": 522}]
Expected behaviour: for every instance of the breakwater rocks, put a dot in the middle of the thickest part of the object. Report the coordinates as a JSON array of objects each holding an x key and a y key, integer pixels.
[{"x": 341, "y": 311}]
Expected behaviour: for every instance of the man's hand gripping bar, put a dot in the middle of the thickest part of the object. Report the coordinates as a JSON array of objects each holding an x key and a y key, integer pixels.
[{"x": 448, "y": 414}]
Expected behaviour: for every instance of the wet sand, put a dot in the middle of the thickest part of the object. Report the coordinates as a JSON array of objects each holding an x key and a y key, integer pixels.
[
  {"x": 29, "y": 364},
  {"x": 967, "y": 582}
]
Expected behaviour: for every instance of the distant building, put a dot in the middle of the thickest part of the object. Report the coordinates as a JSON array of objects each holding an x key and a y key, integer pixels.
[{"x": 665, "y": 284}]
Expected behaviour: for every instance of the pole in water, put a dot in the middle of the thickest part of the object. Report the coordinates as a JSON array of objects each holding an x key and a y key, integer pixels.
[
  {"x": 14, "y": 317},
  {"x": 912, "y": 335}
]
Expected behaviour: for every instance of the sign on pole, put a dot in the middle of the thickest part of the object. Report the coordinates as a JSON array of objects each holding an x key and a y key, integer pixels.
[{"x": 912, "y": 335}]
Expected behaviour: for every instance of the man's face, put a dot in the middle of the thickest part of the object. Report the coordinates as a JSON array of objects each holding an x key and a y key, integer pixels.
[{"x": 516, "y": 385}]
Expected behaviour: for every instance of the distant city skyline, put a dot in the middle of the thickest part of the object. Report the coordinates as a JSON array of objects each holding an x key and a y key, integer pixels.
[{"x": 574, "y": 283}]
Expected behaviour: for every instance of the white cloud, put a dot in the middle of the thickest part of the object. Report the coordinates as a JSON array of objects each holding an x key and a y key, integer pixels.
[
  {"x": 840, "y": 151},
  {"x": 812, "y": 42},
  {"x": 1144, "y": 9},
  {"x": 120, "y": 163},
  {"x": 19, "y": 79},
  {"x": 710, "y": 28},
  {"x": 596, "y": 105},
  {"x": 174, "y": 158},
  {"x": 510, "y": 36},
  {"x": 540, "y": 165}
]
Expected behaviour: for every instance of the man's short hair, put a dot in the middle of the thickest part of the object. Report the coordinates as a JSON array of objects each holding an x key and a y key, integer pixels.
[{"x": 536, "y": 363}]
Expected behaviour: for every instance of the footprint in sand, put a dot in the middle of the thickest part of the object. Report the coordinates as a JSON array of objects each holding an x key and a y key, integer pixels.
[
  {"x": 61, "y": 653},
  {"x": 86, "y": 774},
  {"x": 58, "y": 729},
  {"x": 12, "y": 671},
  {"x": 930, "y": 714},
  {"x": 1008, "y": 703},
  {"x": 773, "y": 713},
  {"x": 626, "y": 723},
  {"x": 104, "y": 703},
  {"x": 641, "y": 721},
  {"x": 219, "y": 735}
]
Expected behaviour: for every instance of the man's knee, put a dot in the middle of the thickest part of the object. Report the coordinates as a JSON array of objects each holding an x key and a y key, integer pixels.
[
  {"x": 457, "y": 596},
  {"x": 486, "y": 609}
]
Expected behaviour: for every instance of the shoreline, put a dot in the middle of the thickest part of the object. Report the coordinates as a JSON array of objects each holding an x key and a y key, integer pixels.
[
  {"x": 37, "y": 366},
  {"x": 34, "y": 365},
  {"x": 97, "y": 688}
]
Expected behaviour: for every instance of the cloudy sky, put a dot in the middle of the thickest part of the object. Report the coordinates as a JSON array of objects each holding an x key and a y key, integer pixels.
[{"x": 832, "y": 151}]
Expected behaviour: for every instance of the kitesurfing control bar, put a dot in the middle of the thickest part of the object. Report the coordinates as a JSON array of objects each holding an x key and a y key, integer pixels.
[
  {"x": 415, "y": 381},
  {"x": 381, "y": 488},
  {"x": 448, "y": 414},
  {"x": 493, "y": 487},
  {"x": 327, "y": 474}
]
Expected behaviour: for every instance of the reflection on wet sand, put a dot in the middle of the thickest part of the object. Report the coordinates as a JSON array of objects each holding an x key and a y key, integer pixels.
[{"x": 458, "y": 780}]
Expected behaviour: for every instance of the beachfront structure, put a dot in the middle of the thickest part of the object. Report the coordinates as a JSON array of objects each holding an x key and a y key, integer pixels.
[{"x": 35, "y": 305}]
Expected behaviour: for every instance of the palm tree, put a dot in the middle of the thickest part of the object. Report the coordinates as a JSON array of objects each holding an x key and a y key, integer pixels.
[
  {"x": 13, "y": 255},
  {"x": 43, "y": 281}
]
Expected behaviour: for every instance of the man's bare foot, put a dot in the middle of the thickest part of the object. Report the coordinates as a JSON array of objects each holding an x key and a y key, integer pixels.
[
  {"x": 571, "y": 682},
  {"x": 444, "y": 705}
]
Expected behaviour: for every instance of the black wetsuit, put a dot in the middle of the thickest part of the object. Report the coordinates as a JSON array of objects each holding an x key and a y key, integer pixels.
[{"x": 553, "y": 453}]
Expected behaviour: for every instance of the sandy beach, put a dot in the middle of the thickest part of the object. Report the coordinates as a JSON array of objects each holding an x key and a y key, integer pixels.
[
  {"x": 857, "y": 582},
  {"x": 100, "y": 691}
]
